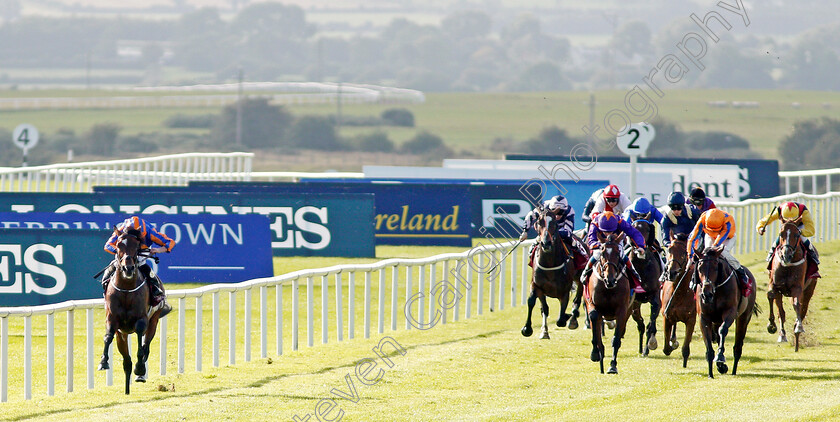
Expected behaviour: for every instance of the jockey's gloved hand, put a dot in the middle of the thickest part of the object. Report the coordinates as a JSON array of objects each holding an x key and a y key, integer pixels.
[
  {"x": 523, "y": 236},
  {"x": 157, "y": 249},
  {"x": 564, "y": 233}
]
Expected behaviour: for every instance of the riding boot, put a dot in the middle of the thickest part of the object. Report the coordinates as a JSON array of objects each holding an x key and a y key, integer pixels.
[
  {"x": 106, "y": 277},
  {"x": 156, "y": 290},
  {"x": 637, "y": 280},
  {"x": 586, "y": 271},
  {"x": 744, "y": 279}
]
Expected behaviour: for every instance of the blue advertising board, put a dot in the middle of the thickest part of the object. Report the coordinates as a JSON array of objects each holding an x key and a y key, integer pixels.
[
  {"x": 209, "y": 248},
  {"x": 301, "y": 224},
  {"x": 40, "y": 267}
]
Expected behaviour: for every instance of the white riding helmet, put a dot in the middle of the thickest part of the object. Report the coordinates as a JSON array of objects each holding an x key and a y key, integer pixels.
[{"x": 558, "y": 203}]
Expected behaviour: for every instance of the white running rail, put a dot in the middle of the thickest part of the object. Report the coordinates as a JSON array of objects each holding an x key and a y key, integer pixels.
[
  {"x": 176, "y": 169},
  {"x": 813, "y": 175},
  {"x": 328, "y": 298}
]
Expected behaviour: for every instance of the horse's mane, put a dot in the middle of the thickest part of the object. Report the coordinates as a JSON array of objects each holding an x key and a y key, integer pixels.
[{"x": 681, "y": 236}]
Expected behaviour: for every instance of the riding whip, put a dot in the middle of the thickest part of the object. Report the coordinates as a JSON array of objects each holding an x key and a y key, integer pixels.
[
  {"x": 505, "y": 256},
  {"x": 671, "y": 299}
]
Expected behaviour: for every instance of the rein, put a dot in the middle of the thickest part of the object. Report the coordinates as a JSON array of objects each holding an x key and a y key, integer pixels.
[
  {"x": 129, "y": 291},
  {"x": 697, "y": 271},
  {"x": 786, "y": 245}
]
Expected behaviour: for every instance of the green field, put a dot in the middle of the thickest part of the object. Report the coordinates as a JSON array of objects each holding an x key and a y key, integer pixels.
[
  {"x": 477, "y": 369},
  {"x": 469, "y": 122}
]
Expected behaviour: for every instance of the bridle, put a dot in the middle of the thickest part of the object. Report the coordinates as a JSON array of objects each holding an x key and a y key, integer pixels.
[
  {"x": 707, "y": 282},
  {"x": 549, "y": 237},
  {"x": 603, "y": 263},
  {"x": 673, "y": 262},
  {"x": 788, "y": 250},
  {"x": 124, "y": 254}
]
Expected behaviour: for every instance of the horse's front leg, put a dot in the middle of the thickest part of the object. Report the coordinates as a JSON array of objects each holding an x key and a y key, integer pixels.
[
  {"x": 655, "y": 306},
  {"x": 771, "y": 325},
  {"x": 110, "y": 331},
  {"x": 796, "y": 301},
  {"x": 532, "y": 300},
  {"x": 142, "y": 350},
  {"x": 122, "y": 346},
  {"x": 597, "y": 354},
  {"x": 563, "y": 318},
  {"x": 544, "y": 311},
  {"x": 620, "y": 325},
  {"x": 708, "y": 336},
  {"x": 573, "y": 322},
  {"x": 720, "y": 360},
  {"x": 781, "y": 306},
  {"x": 668, "y": 327}
]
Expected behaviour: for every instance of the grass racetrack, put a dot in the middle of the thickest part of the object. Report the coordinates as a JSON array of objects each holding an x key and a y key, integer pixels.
[{"x": 483, "y": 369}]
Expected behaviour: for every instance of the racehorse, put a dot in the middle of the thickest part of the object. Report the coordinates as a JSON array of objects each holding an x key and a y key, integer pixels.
[
  {"x": 719, "y": 304},
  {"x": 678, "y": 298},
  {"x": 553, "y": 274},
  {"x": 649, "y": 267},
  {"x": 608, "y": 297},
  {"x": 787, "y": 278},
  {"x": 127, "y": 310}
]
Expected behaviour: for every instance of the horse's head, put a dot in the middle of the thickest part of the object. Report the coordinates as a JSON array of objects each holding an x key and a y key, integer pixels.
[
  {"x": 677, "y": 257},
  {"x": 790, "y": 240},
  {"x": 609, "y": 266},
  {"x": 546, "y": 227},
  {"x": 709, "y": 270},
  {"x": 128, "y": 246}
]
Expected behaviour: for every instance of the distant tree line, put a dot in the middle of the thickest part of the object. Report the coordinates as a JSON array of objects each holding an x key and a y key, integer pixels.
[{"x": 466, "y": 52}]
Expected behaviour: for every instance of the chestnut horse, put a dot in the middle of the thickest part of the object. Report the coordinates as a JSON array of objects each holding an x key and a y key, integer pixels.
[
  {"x": 127, "y": 310},
  {"x": 608, "y": 297},
  {"x": 678, "y": 298},
  {"x": 553, "y": 274},
  {"x": 720, "y": 303},
  {"x": 787, "y": 278},
  {"x": 649, "y": 267}
]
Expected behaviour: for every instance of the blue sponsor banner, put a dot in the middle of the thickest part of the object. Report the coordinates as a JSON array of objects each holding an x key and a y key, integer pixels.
[
  {"x": 41, "y": 267},
  {"x": 301, "y": 224},
  {"x": 209, "y": 248}
]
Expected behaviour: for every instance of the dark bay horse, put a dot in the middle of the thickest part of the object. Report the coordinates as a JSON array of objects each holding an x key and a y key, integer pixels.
[
  {"x": 553, "y": 274},
  {"x": 649, "y": 267},
  {"x": 127, "y": 310},
  {"x": 678, "y": 298},
  {"x": 787, "y": 278},
  {"x": 607, "y": 293},
  {"x": 719, "y": 304}
]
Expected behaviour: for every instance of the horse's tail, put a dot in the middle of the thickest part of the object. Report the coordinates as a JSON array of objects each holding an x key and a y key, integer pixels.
[{"x": 756, "y": 309}]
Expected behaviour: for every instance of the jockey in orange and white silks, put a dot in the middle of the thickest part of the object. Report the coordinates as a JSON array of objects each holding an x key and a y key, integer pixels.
[
  {"x": 791, "y": 211},
  {"x": 150, "y": 239},
  {"x": 716, "y": 228}
]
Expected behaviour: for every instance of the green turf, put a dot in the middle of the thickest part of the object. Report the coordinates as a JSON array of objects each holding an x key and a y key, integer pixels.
[{"x": 478, "y": 369}]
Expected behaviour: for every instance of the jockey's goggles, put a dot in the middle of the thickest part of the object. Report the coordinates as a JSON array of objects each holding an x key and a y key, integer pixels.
[
  {"x": 675, "y": 207},
  {"x": 612, "y": 200}
]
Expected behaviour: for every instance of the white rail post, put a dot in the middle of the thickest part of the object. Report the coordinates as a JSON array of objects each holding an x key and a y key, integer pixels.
[
  {"x": 501, "y": 275},
  {"x": 456, "y": 281},
  {"x": 216, "y": 338},
  {"x": 27, "y": 357},
  {"x": 339, "y": 308},
  {"x": 421, "y": 286},
  {"x": 351, "y": 305},
  {"x": 198, "y": 334},
  {"x": 310, "y": 311},
  {"x": 367, "y": 304},
  {"x": 468, "y": 307},
  {"x": 431, "y": 296},
  {"x": 247, "y": 328},
  {"x": 445, "y": 292},
  {"x": 394, "y": 294},
  {"x": 408, "y": 292},
  {"x": 295, "y": 321},
  {"x": 480, "y": 282},
  {"x": 70, "y": 329},
  {"x": 163, "y": 347},
  {"x": 182, "y": 333},
  {"x": 278, "y": 317},
  {"x": 325, "y": 320},
  {"x": 264, "y": 322},
  {"x": 89, "y": 331},
  {"x": 51, "y": 354},
  {"x": 232, "y": 328},
  {"x": 512, "y": 260},
  {"x": 381, "y": 295}
]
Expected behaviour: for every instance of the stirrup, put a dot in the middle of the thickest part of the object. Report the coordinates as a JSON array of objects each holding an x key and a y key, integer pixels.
[{"x": 165, "y": 309}]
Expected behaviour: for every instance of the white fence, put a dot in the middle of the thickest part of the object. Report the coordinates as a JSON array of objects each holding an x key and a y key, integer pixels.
[
  {"x": 813, "y": 176},
  {"x": 176, "y": 169},
  {"x": 825, "y": 209},
  {"x": 327, "y": 310}
]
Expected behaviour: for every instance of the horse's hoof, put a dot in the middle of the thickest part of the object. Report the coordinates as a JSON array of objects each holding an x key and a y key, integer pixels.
[
  {"x": 771, "y": 328},
  {"x": 103, "y": 366},
  {"x": 782, "y": 339},
  {"x": 652, "y": 344},
  {"x": 140, "y": 369},
  {"x": 544, "y": 336},
  {"x": 612, "y": 370},
  {"x": 721, "y": 367},
  {"x": 595, "y": 356},
  {"x": 527, "y": 331},
  {"x": 573, "y": 324},
  {"x": 798, "y": 328},
  {"x": 667, "y": 350},
  {"x": 611, "y": 324},
  {"x": 140, "y": 378},
  {"x": 675, "y": 344}
]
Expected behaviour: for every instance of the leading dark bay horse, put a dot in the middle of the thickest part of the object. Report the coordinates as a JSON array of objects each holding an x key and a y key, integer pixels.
[
  {"x": 649, "y": 267},
  {"x": 553, "y": 274},
  {"x": 127, "y": 310},
  {"x": 607, "y": 293},
  {"x": 720, "y": 304},
  {"x": 788, "y": 278},
  {"x": 676, "y": 294}
]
